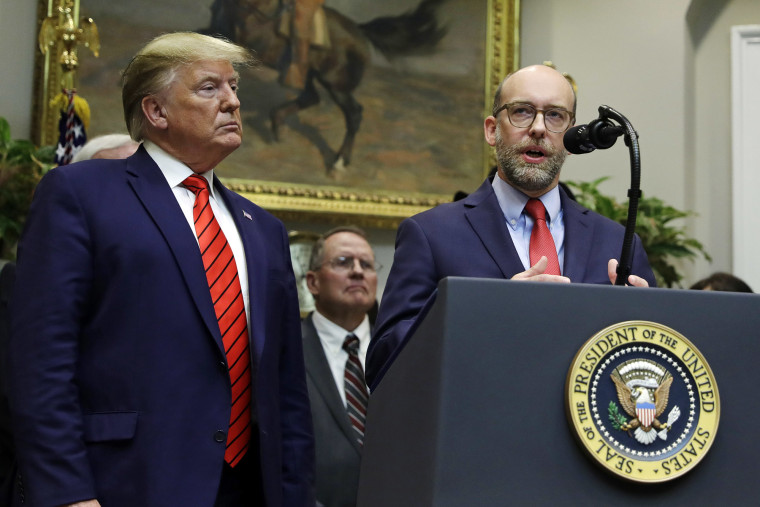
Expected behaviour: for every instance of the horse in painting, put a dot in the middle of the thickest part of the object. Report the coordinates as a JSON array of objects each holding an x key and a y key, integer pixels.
[{"x": 338, "y": 68}]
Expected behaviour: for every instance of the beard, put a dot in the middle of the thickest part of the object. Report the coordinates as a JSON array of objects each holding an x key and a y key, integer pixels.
[{"x": 524, "y": 175}]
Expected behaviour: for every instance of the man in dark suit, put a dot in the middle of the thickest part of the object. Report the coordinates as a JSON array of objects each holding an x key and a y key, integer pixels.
[
  {"x": 156, "y": 356},
  {"x": 489, "y": 234},
  {"x": 342, "y": 277}
]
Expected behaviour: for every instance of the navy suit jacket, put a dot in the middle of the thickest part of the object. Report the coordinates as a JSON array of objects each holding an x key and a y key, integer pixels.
[
  {"x": 338, "y": 452},
  {"x": 119, "y": 384},
  {"x": 469, "y": 238}
]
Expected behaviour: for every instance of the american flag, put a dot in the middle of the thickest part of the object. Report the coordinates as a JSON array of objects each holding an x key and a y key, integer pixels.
[
  {"x": 72, "y": 125},
  {"x": 645, "y": 413}
]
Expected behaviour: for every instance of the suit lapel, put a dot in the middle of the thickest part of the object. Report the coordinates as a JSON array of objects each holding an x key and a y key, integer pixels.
[
  {"x": 579, "y": 230},
  {"x": 483, "y": 213},
  {"x": 319, "y": 371},
  {"x": 151, "y": 188}
]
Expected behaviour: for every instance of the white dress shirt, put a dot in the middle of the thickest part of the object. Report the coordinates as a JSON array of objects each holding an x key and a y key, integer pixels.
[{"x": 332, "y": 337}]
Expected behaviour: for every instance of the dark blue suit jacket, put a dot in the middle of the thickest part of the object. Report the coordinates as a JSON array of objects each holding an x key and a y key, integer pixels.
[
  {"x": 119, "y": 384},
  {"x": 469, "y": 238}
]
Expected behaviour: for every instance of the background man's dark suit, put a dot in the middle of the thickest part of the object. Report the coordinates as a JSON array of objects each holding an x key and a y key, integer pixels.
[
  {"x": 338, "y": 452},
  {"x": 467, "y": 238},
  {"x": 118, "y": 362}
]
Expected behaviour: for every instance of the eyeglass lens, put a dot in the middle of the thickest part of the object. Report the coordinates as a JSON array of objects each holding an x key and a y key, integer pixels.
[
  {"x": 523, "y": 115},
  {"x": 346, "y": 263}
]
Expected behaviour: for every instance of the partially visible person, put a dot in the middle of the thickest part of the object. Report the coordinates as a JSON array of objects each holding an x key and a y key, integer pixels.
[
  {"x": 107, "y": 146},
  {"x": 156, "y": 356},
  {"x": 518, "y": 225},
  {"x": 720, "y": 281},
  {"x": 342, "y": 277},
  {"x": 8, "y": 465},
  {"x": 301, "y": 33}
]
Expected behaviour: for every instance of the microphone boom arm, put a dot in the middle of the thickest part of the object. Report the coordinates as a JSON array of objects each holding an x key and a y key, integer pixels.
[{"x": 634, "y": 192}]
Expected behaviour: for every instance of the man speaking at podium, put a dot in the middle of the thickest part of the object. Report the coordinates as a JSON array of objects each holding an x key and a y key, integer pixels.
[{"x": 519, "y": 226}]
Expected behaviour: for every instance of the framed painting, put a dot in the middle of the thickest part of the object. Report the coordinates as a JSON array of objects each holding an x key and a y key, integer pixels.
[{"x": 412, "y": 116}]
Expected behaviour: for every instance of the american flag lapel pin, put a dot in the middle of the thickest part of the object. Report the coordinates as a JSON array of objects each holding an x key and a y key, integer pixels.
[{"x": 247, "y": 215}]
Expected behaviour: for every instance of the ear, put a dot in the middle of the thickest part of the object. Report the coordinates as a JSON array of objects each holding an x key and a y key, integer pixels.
[
  {"x": 312, "y": 283},
  {"x": 154, "y": 112},
  {"x": 489, "y": 129}
]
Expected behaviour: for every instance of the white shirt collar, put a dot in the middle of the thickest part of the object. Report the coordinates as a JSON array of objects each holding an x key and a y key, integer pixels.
[
  {"x": 173, "y": 169},
  {"x": 333, "y": 336}
]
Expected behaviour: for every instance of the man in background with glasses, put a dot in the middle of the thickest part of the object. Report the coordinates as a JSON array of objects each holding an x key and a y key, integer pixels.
[
  {"x": 521, "y": 225},
  {"x": 342, "y": 277}
]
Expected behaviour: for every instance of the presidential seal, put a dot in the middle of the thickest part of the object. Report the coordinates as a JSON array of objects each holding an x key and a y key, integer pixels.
[{"x": 642, "y": 401}]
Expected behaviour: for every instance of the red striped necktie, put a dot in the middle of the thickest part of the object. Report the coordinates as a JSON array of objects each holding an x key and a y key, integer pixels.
[
  {"x": 541, "y": 241},
  {"x": 224, "y": 284},
  {"x": 356, "y": 387}
]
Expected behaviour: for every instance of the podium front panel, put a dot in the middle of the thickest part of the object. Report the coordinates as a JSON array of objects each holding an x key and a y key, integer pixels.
[{"x": 472, "y": 410}]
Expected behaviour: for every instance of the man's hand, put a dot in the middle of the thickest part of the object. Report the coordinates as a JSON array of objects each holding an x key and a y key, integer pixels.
[
  {"x": 536, "y": 273},
  {"x": 86, "y": 503},
  {"x": 634, "y": 280}
]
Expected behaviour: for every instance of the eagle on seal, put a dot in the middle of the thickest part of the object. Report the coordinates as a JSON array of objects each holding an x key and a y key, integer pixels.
[{"x": 636, "y": 400}]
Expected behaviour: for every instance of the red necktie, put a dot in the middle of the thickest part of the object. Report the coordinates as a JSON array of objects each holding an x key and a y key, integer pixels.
[
  {"x": 224, "y": 284},
  {"x": 355, "y": 386},
  {"x": 541, "y": 241}
]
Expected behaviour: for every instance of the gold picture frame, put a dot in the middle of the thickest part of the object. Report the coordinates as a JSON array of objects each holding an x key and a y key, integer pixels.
[{"x": 330, "y": 202}]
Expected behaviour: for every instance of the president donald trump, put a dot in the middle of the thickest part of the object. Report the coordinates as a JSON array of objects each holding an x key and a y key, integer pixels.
[{"x": 155, "y": 351}]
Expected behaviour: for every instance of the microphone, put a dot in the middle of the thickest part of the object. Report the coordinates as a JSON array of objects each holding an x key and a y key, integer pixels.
[{"x": 598, "y": 134}]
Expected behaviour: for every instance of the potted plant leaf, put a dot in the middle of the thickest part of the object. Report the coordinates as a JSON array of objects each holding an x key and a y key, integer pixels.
[
  {"x": 22, "y": 164},
  {"x": 663, "y": 240}
]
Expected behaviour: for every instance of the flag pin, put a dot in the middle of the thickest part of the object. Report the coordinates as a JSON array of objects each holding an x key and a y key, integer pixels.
[{"x": 247, "y": 215}]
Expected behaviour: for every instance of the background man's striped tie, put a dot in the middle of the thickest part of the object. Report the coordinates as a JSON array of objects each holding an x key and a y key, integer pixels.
[{"x": 355, "y": 386}]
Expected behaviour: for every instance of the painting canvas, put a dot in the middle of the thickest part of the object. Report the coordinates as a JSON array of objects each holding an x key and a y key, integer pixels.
[{"x": 420, "y": 138}]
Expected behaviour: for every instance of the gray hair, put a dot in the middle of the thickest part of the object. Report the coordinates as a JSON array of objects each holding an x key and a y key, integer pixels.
[
  {"x": 155, "y": 66},
  {"x": 318, "y": 250},
  {"x": 100, "y": 143}
]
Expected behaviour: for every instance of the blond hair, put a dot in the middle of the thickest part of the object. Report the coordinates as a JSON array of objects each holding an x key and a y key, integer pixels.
[{"x": 155, "y": 66}]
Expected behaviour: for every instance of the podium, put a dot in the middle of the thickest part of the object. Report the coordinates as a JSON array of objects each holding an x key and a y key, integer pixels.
[{"x": 472, "y": 410}]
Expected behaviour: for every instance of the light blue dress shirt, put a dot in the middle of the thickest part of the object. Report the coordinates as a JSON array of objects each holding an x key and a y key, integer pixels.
[{"x": 520, "y": 224}]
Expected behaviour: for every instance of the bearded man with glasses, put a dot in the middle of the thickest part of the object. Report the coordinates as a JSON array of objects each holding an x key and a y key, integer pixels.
[{"x": 520, "y": 225}]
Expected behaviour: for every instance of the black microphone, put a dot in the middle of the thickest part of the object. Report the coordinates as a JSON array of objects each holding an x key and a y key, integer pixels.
[{"x": 599, "y": 133}]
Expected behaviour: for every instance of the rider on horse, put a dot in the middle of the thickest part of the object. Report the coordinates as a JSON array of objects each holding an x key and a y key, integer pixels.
[{"x": 302, "y": 34}]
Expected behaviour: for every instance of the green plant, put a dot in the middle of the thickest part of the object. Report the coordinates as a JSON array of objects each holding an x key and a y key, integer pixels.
[
  {"x": 21, "y": 166},
  {"x": 663, "y": 240}
]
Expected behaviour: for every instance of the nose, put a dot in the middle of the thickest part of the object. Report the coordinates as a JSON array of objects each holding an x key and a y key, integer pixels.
[
  {"x": 230, "y": 101},
  {"x": 537, "y": 129},
  {"x": 357, "y": 269}
]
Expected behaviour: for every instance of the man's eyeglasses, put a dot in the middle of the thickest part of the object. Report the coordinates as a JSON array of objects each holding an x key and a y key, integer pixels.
[
  {"x": 522, "y": 115},
  {"x": 346, "y": 263}
]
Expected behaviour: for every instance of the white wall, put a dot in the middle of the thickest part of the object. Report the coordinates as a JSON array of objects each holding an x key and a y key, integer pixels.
[
  {"x": 745, "y": 110},
  {"x": 711, "y": 144},
  {"x": 17, "y": 40},
  {"x": 627, "y": 55}
]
